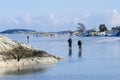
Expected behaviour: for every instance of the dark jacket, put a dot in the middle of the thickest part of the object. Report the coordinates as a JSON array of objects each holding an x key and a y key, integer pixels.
[{"x": 70, "y": 42}]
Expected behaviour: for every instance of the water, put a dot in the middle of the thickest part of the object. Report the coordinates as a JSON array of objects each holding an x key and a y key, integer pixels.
[{"x": 98, "y": 60}]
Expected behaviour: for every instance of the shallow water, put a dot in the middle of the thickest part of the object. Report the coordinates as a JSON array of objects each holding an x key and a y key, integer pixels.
[{"x": 98, "y": 60}]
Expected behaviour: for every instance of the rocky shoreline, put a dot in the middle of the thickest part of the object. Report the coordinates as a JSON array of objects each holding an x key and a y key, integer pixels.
[
  {"x": 14, "y": 53},
  {"x": 28, "y": 61}
]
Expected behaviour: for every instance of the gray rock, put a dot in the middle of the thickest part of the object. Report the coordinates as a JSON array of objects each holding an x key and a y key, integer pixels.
[{"x": 10, "y": 49}]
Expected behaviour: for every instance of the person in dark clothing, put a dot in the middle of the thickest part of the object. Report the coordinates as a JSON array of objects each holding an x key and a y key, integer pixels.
[
  {"x": 70, "y": 43},
  {"x": 80, "y": 44},
  {"x": 27, "y": 39}
]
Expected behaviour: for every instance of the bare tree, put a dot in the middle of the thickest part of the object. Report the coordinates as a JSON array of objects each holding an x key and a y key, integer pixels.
[{"x": 81, "y": 28}]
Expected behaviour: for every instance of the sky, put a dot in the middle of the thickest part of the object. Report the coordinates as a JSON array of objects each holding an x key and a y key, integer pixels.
[{"x": 58, "y": 15}]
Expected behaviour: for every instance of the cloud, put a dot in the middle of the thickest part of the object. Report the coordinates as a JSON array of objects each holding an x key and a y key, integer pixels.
[
  {"x": 52, "y": 16},
  {"x": 60, "y": 20},
  {"x": 27, "y": 19},
  {"x": 110, "y": 17},
  {"x": 76, "y": 20},
  {"x": 92, "y": 21},
  {"x": 15, "y": 21},
  {"x": 50, "y": 23},
  {"x": 114, "y": 17},
  {"x": 54, "y": 21}
]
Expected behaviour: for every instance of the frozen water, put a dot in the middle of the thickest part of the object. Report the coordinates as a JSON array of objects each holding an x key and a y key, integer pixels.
[{"x": 98, "y": 60}]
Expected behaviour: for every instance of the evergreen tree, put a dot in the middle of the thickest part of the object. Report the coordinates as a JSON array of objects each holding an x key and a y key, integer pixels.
[{"x": 102, "y": 28}]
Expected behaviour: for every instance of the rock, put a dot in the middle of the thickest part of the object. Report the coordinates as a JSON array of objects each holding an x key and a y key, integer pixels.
[
  {"x": 58, "y": 57},
  {"x": 27, "y": 61},
  {"x": 19, "y": 54}
]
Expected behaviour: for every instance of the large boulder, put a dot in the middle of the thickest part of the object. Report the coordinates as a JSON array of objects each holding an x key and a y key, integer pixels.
[
  {"x": 16, "y": 54},
  {"x": 10, "y": 49}
]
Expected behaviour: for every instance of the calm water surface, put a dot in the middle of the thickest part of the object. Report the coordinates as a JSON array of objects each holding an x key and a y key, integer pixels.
[{"x": 98, "y": 60}]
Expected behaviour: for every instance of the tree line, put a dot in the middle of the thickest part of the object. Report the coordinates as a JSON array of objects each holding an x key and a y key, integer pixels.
[{"x": 102, "y": 28}]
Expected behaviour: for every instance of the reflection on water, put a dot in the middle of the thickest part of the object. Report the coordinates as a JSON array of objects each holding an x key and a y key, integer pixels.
[
  {"x": 80, "y": 53},
  {"x": 70, "y": 52},
  {"x": 25, "y": 70}
]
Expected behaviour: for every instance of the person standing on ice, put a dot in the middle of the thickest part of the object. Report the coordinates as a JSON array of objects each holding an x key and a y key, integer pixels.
[
  {"x": 80, "y": 44},
  {"x": 70, "y": 43}
]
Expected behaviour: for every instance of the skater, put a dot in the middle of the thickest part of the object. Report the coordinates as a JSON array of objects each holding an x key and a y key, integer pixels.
[
  {"x": 27, "y": 39},
  {"x": 80, "y": 44},
  {"x": 70, "y": 43}
]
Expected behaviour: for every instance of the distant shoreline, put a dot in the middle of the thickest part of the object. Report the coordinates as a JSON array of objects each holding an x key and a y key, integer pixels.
[{"x": 62, "y": 33}]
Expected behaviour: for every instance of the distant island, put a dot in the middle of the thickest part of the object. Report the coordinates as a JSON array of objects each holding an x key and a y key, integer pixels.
[{"x": 16, "y": 31}]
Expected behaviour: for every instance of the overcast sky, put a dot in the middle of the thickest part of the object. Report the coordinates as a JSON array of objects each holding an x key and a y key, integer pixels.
[{"x": 58, "y": 15}]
